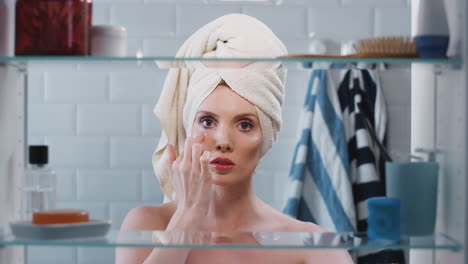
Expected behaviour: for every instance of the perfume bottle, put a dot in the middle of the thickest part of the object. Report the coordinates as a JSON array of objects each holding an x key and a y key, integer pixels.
[{"x": 39, "y": 185}]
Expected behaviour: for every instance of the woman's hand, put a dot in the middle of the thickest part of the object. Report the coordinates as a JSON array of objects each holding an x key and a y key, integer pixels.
[{"x": 192, "y": 181}]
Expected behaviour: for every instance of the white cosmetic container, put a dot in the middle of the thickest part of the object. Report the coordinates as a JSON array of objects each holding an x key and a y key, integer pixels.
[{"x": 108, "y": 41}]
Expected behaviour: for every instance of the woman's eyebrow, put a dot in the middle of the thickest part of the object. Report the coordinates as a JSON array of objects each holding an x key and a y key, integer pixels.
[
  {"x": 246, "y": 115},
  {"x": 206, "y": 113},
  {"x": 236, "y": 117}
]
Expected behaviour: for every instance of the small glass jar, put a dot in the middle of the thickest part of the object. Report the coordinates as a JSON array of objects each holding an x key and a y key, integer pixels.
[
  {"x": 53, "y": 27},
  {"x": 39, "y": 188}
]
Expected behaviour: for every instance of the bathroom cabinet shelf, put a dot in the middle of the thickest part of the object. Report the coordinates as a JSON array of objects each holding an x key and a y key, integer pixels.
[
  {"x": 247, "y": 240},
  {"x": 322, "y": 62}
]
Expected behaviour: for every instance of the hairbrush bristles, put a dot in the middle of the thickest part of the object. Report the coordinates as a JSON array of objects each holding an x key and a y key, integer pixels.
[{"x": 386, "y": 47}]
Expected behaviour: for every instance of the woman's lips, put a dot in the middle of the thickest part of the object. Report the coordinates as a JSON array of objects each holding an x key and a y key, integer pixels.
[
  {"x": 222, "y": 167},
  {"x": 222, "y": 164}
]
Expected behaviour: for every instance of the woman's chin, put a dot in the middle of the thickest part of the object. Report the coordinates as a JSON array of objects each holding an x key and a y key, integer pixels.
[{"x": 219, "y": 180}]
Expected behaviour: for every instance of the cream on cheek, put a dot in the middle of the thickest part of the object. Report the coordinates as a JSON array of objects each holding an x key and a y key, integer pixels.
[{"x": 249, "y": 144}]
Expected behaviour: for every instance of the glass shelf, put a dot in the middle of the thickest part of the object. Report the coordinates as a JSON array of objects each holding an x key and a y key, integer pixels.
[
  {"x": 332, "y": 60},
  {"x": 245, "y": 240}
]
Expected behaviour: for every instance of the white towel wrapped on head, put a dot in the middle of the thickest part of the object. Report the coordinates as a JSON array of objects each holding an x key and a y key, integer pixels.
[{"x": 188, "y": 83}]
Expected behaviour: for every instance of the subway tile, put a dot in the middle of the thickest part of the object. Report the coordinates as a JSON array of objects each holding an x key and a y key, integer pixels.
[
  {"x": 280, "y": 187},
  {"x": 136, "y": 87},
  {"x": 147, "y": 20},
  {"x": 110, "y": 120},
  {"x": 53, "y": 66},
  {"x": 66, "y": 185},
  {"x": 109, "y": 185},
  {"x": 341, "y": 23},
  {"x": 399, "y": 125},
  {"x": 162, "y": 46},
  {"x": 135, "y": 47},
  {"x": 151, "y": 188},
  {"x": 92, "y": 255},
  {"x": 151, "y": 124},
  {"x": 263, "y": 179},
  {"x": 96, "y": 210},
  {"x": 386, "y": 23},
  {"x": 296, "y": 17},
  {"x": 35, "y": 86},
  {"x": 290, "y": 121},
  {"x": 396, "y": 87},
  {"x": 50, "y": 255},
  {"x": 296, "y": 87},
  {"x": 76, "y": 87},
  {"x": 399, "y": 150},
  {"x": 283, "y": 148},
  {"x": 101, "y": 13},
  {"x": 36, "y": 140},
  {"x": 375, "y": 3},
  {"x": 192, "y": 17},
  {"x": 52, "y": 119},
  {"x": 78, "y": 152},
  {"x": 132, "y": 152},
  {"x": 314, "y": 3}
]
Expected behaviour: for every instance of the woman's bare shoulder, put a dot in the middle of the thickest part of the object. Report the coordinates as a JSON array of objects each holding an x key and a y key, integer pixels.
[
  {"x": 149, "y": 217},
  {"x": 286, "y": 223}
]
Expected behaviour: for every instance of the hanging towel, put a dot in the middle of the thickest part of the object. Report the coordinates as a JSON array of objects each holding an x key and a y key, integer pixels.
[
  {"x": 362, "y": 101},
  {"x": 320, "y": 185}
]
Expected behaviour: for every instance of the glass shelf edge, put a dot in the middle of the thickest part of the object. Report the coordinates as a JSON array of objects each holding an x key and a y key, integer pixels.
[
  {"x": 428, "y": 243},
  {"x": 454, "y": 61}
]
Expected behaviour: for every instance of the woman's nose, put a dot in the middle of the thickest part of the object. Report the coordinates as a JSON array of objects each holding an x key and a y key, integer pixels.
[
  {"x": 224, "y": 148},
  {"x": 223, "y": 140}
]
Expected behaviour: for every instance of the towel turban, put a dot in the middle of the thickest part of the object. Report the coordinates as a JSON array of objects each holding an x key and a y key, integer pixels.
[{"x": 188, "y": 83}]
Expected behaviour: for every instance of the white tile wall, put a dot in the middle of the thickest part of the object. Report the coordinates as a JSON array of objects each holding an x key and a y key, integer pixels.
[
  {"x": 135, "y": 87},
  {"x": 189, "y": 19},
  {"x": 293, "y": 22},
  {"x": 61, "y": 119},
  {"x": 78, "y": 152},
  {"x": 392, "y": 21},
  {"x": 105, "y": 186},
  {"x": 95, "y": 255},
  {"x": 51, "y": 255},
  {"x": 145, "y": 20},
  {"x": 98, "y": 118},
  {"x": 375, "y": 3},
  {"x": 67, "y": 181},
  {"x": 132, "y": 152},
  {"x": 335, "y": 23},
  {"x": 150, "y": 187},
  {"x": 76, "y": 87}
]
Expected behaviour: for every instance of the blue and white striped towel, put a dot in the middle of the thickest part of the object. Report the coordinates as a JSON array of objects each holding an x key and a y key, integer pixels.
[{"x": 320, "y": 187}]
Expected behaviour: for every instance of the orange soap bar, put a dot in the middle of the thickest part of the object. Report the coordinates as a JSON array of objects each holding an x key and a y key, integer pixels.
[{"x": 60, "y": 217}]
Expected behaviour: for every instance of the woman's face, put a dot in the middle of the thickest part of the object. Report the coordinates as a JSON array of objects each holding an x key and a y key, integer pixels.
[{"x": 233, "y": 135}]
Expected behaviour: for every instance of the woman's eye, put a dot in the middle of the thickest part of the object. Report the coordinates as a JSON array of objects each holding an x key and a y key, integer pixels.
[
  {"x": 246, "y": 125},
  {"x": 207, "y": 122}
]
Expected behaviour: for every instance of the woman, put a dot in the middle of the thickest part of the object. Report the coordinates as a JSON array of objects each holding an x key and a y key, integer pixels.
[{"x": 232, "y": 116}]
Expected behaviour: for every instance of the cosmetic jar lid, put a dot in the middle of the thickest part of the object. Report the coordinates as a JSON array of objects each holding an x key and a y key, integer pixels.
[{"x": 109, "y": 30}]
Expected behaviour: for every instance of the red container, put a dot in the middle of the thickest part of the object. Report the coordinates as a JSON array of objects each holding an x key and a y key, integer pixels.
[{"x": 53, "y": 27}]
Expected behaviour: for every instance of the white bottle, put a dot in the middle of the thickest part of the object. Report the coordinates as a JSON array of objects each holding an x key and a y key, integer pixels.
[
  {"x": 432, "y": 18},
  {"x": 7, "y": 27},
  {"x": 39, "y": 186},
  {"x": 432, "y": 31}
]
